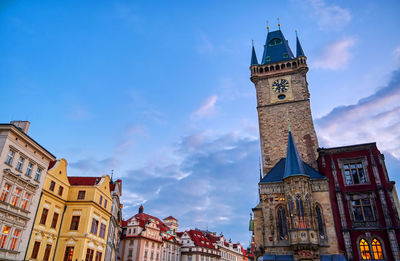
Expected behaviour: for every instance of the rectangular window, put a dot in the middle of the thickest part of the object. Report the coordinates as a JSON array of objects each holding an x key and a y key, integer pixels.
[
  {"x": 4, "y": 235},
  {"x": 81, "y": 194},
  {"x": 102, "y": 232},
  {"x": 69, "y": 254},
  {"x": 105, "y": 203},
  {"x": 98, "y": 256},
  {"x": 362, "y": 210},
  {"x": 5, "y": 191},
  {"x": 25, "y": 201},
  {"x": 10, "y": 157},
  {"x": 101, "y": 200},
  {"x": 37, "y": 175},
  {"x": 354, "y": 173},
  {"x": 89, "y": 254},
  {"x": 16, "y": 197},
  {"x": 54, "y": 221},
  {"x": 35, "y": 250},
  {"x": 95, "y": 226},
  {"x": 20, "y": 163},
  {"x": 47, "y": 253},
  {"x": 15, "y": 239},
  {"x": 60, "y": 190},
  {"x": 130, "y": 252},
  {"x": 52, "y": 185},
  {"x": 44, "y": 216},
  {"x": 75, "y": 222},
  {"x": 29, "y": 169}
]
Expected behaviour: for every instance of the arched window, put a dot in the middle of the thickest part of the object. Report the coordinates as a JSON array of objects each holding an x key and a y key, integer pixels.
[
  {"x": 291, "y": 207},
  {"x": 300, "y": 212},
  {"x": 320, "y": 222},
  {"x": 282, "y": 223},
  {"x": 377, "y": 252},
  {"x": 364, "y": 249}
]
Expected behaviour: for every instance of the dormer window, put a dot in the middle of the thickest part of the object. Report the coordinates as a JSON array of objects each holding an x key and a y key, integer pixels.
[
  {"x": 275, "y": 41},
  {"x": 285, "y": 55},
  {"x": 268, "y": 58}
]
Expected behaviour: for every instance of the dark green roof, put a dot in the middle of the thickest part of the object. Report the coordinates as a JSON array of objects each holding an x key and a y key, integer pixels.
[{"x": 276, "y": 48}]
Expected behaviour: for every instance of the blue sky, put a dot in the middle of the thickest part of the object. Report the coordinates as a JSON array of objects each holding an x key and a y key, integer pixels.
[{"x": 159, "y": 91}]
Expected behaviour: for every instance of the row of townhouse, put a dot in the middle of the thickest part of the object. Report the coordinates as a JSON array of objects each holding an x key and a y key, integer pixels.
[
  {"x": 147, "y": 238},
  {"x": 46, "y": 215}
]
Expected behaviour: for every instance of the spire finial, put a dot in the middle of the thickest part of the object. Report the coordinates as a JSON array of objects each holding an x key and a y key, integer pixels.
[
  {"x": 279, "y": 24},
  {"x": 112, "y": 174},
  {"x": 288, "y": 123},
  {"x": 268, "y": 25},
  {"x": 252, "y": 42},
  {"x": 296, "y": 32}
]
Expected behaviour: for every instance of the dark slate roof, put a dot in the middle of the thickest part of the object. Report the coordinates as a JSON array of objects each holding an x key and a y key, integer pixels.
[
  {"x": 294, "y": 164},
  {"x": 299, "y": 49},
  {"x": 276, "y": 48},
  {"x": 254, "y": 60},
  {"x": 277, "y": 172}
]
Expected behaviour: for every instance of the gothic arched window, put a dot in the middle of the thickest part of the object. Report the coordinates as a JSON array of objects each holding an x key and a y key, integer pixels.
[
  {"x": 291, "y": 207},
  {"x": 282, "y": 223},
  {"x": 300, "y": 212},
  {"x": 320, "y": 222},
  {"x": 364, "y": 248},
  {"x": 377, "y": 252}
]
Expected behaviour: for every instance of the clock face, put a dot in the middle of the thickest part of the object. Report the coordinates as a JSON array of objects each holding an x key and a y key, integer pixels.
[{"x": 280, "y": 85}]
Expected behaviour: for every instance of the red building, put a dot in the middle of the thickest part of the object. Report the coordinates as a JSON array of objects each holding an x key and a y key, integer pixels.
[{"x": 364, "y": 202}]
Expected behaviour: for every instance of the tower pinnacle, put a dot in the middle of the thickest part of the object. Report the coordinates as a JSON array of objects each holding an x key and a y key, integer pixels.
[
  {"x": 254, "y": 60},
  {"x": 299, "y": 49}
]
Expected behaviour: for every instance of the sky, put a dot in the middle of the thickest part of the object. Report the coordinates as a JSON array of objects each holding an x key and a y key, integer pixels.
[{"x": 159, "y": 92}]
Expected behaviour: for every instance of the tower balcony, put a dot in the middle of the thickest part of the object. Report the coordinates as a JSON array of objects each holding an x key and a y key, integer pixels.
[{"x": 262, "y": 70}]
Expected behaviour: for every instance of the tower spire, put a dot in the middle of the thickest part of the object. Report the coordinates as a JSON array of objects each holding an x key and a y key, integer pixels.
[
  {"x": 299, "y": 49},
  {"x": 294, "y": 164},
  {"x": 254, "y": 60}
]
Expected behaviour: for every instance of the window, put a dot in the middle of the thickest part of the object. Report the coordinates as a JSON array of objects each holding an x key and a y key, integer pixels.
[
  {"x": 98, "y": 256},
  {"x": 47, "y": 253},
  {"x": 291, "y": 206},
  {"x": 320, "y": 222},
  {"x": 52, "y": 185},
  {"x": 95, "y": 226},
  {"x": 16, "y": 197},
  {"x": 10, "y": 157},
  {"x": 275, "y": 41},
  {"x": 89, "y": 254},
  {"x": 300, "y": 212},
  {"x": 44, "y": 216},
  {"x": 362, "y": 210},
  {"x": 365, "y": 250},
  {"x": 60, "y": 190},
  {"x": 37, "y": 175},
  {"x": 25, "y": 201},
  {"x": 4, "y": 235},
  {"x": 5, "y": 191},
  {"x": 105, "y": 203},
  {"x": 14, "y": 239},
  {"x": 20, "y": 163},
  {"x": 35, "y": 250},
  {"x": 29, "y": 169},
  {"x": 74, "y": 223},
  {"x": 354, "y": 173},
  {"x": 101, "y": 200},
  {"x": 130, "y": 252},
  {"x": 131, "y": 242},
  {"x": 81, "y": 194},
  {"x": 54, "y": 221},
  {"x": 282, "y": 223},
  {"x": 102, "y": 232},
  {"x": 69, "y": 254}
]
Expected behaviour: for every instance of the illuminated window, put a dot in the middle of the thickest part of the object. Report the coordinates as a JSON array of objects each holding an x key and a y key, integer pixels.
[
  {"x": 5, "y": 191},
  {"x": 16, "y": 197},
  {"x": 4, "y": 235},
  {"x": 25, "y": 201},
  {"x": 69, "y": 254},
  {"x": 14, "y": 239},
  {"x": 364, "y": 248},
  {"x": 354, "y": 173},
  {"x": 377, "y": 252},
  {"x": 300, "y": 212}
]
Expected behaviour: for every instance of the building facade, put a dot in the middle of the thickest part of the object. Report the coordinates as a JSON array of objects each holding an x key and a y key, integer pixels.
[
  {"x": 23, "y": 164},
  {"x": 115, "y": 229},
  {"x": 171, "y": 250},
  {"x": 364, "y": 201},
  {"x": 197, "y": 247},
  {"x": 73, "y": 217}
]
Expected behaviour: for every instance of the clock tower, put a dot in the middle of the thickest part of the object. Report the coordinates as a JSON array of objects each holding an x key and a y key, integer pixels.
[{"x": 283, "y": 98}]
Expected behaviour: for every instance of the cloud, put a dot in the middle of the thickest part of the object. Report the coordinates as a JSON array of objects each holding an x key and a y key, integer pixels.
[
  {"x": 335, "y": 55},
  {"x": 93, "y": 167},
  {"x": 329, "y": 17},
  {"x": 396, "y": 53},
  {"x": 207, "y": 108},
  {"x": 373, "y": 118},
  {"x": 209, "y": 182}
]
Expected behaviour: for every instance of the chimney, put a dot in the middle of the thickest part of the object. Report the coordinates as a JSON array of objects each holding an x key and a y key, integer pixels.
[{"x": 22, "y": 125}]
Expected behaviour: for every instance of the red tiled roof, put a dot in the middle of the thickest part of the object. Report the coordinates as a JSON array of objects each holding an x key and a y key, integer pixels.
[
  {"x": 144, "y": 219},
  {"x": 170, "y": 217},
  {"x": 124, "y": 223},
  {"x": 84, "y": 181},
  {"x": 112, "y": 186},
  {"x": 200, "y": 239},
  {"x": 179, "y": 234},
  {"x": 52, "y": 163},
  {"x": 212, "y": 238}
]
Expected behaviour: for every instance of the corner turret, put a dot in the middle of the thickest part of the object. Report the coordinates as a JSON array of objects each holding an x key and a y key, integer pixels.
[{"x": 299, "y": 49}]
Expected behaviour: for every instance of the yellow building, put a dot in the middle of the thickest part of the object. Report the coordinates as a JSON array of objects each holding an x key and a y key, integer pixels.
[{"x": 72, "y": 218}]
